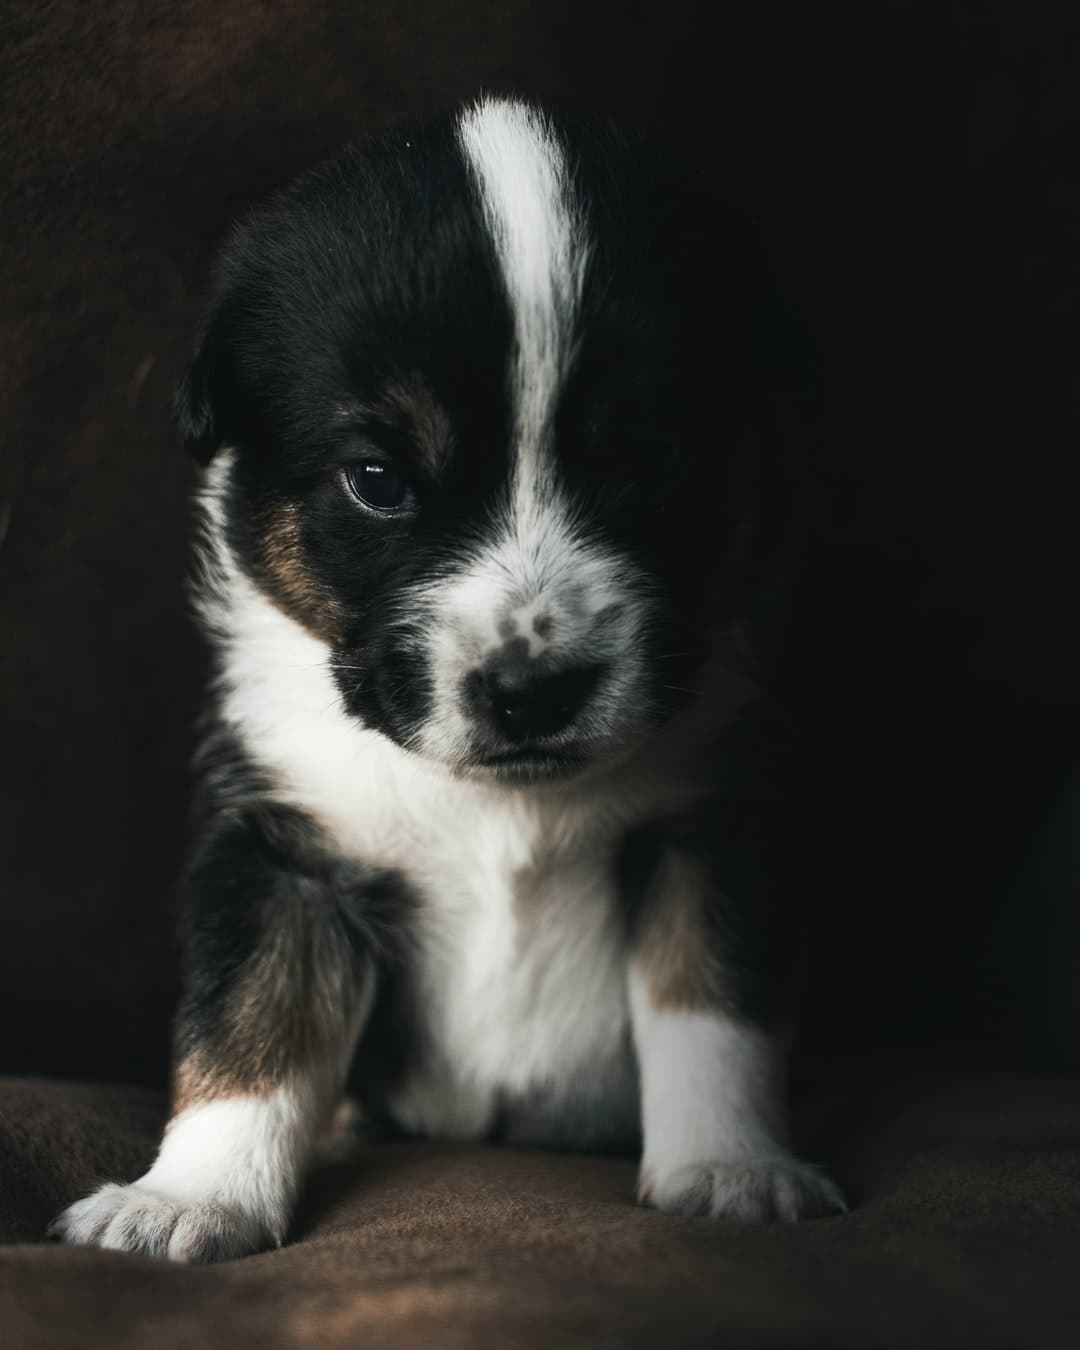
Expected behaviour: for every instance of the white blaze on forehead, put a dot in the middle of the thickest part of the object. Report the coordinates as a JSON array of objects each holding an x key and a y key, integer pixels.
[
  {"x": 536, "y": 561},
  {"x": 540, "y": 243}
]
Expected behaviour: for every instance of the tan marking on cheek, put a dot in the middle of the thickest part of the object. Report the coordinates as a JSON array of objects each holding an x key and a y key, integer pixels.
[
  {"x": 674, "y": 950},
  {"x": 289, "y": 577}
]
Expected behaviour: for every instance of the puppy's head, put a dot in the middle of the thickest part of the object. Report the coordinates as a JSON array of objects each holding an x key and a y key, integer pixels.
[{"x": 483, "y": 393}]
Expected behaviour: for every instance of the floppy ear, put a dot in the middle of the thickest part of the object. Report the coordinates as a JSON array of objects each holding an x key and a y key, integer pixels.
[{"x": 200, "y": 397}]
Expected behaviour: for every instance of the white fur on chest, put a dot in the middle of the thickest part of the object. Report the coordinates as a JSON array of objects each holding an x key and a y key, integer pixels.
[{"x": 522, "y": 1000}]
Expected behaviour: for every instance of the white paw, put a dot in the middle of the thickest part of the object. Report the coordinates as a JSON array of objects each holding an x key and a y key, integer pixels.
[
  {"x": 151, "y": 1222},
  {"x": 754, "y": 1190}
]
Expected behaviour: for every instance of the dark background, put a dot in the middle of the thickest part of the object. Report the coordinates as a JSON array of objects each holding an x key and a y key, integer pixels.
[{"x": 912, "y": 168}]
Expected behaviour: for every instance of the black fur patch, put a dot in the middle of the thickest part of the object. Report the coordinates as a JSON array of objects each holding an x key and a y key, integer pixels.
[{"x": 262, "y": 882}]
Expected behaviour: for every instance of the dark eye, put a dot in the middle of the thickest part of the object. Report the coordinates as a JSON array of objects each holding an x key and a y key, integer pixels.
[{"x": 380, "y": 485}]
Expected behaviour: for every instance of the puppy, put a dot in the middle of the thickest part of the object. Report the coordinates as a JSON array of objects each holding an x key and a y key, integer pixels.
[{"x": 483, "y": 833}]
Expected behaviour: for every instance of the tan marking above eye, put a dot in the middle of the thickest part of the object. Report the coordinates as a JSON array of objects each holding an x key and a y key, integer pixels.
[{"x": 409, "y": 402}]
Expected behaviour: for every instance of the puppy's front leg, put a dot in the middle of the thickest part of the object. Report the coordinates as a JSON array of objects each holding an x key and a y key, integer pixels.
[
  {"x": 280, "y": 978},
  {"x": 714, "y": 1113}
]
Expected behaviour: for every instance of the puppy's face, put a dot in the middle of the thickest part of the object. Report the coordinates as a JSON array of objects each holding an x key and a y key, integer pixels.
[{"x": 484, "y": 390}]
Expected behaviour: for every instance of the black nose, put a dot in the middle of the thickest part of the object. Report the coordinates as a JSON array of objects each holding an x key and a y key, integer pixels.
[{"x": 525, "y": 700}]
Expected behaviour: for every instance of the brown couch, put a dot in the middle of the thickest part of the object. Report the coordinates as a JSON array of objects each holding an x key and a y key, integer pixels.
[{"x": 911, "y": 166}]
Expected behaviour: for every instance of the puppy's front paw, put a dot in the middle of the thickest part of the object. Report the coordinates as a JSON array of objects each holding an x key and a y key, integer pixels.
[
  {"x": 754, "y": 1190},
  {"x": 152, "y": 1222}
]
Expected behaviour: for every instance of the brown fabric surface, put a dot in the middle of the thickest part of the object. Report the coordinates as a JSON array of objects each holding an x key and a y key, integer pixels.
[{"x": 965, "y": 1234}]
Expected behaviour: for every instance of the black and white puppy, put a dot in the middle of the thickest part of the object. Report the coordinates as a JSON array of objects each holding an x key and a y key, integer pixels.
[{"x": 482, "y": 825}]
